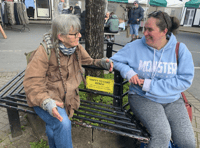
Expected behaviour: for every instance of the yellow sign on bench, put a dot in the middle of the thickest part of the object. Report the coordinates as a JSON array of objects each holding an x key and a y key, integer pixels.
[{"x": 100, "y": 84}]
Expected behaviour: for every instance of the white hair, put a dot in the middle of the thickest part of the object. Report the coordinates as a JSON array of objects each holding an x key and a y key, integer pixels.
[{"x": 62, "y": 25}]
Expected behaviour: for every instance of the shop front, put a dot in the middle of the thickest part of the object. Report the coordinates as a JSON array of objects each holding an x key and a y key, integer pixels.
[{"x": 45, "y": 9}]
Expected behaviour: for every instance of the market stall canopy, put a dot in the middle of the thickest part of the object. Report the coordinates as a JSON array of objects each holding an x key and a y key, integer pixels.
[
  {"x": 129, "y": 1},
  {"x": 175, "y": 3},
  {"x": 119, "y": 1},
  {"x": 160, "y": 3},
  {"x": 193, "y": 3}
]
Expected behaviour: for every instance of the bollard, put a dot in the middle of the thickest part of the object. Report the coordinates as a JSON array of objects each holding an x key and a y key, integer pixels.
[{"x": 118, "y": 89}]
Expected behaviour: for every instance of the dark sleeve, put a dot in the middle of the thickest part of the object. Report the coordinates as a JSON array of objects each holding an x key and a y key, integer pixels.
[
  {"x": 108, "y": 23},
  {"x": 129, "y": 15},
  {"x": 141, "y": 14}
]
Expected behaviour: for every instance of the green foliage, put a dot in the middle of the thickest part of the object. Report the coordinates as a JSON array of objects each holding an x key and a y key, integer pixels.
[
  {"x": 23, "y": 128},
  {"x": 100, "y": 99},
  {"x": 39, "y": 144},
  {"x": 95, "y": 124},
  {"x": 109, "y": 76},
  {"x": 104, "y": 99}
]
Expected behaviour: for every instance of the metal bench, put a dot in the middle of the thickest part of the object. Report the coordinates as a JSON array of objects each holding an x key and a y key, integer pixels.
[{"x": 116, "y": 118}]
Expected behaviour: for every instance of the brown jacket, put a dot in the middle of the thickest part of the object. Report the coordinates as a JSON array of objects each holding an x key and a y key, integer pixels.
[{"x": 42, "y": 78}]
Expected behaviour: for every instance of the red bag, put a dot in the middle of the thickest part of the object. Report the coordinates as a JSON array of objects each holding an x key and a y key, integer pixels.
[{"x": 187, "y": 105}]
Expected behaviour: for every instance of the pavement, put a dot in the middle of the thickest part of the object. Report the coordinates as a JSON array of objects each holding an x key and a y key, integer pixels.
[
  {"x": 28, "y": 136},
  {"x": 189, "y": 29}
]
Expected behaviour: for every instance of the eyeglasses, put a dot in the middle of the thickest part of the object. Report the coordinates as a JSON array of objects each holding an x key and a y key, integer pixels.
[
  {"x": 134, "y": 3},
  {"x": 76, "y": 35},
  {"x": 156, "y": 13}
]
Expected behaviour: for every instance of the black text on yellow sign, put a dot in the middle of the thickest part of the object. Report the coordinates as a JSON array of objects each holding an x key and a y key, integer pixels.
[{"x": 100, "y": 84}]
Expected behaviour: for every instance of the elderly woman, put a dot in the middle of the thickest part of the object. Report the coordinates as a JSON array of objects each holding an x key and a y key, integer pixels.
[
  {"x": 51, "y": 84},
  {"x": 150, "y": 65}
]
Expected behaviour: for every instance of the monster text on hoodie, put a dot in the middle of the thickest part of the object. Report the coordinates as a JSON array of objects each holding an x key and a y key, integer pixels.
[{"x": 164, "y": 80}]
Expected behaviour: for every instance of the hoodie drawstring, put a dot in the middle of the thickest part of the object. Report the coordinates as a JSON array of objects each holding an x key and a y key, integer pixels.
[{"x": 154, "y": 63}]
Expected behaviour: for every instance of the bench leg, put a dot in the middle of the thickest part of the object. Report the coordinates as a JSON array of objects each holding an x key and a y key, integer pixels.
[
  {"x": 15, "y": 126},
  {"x": 118, "y": 89}
]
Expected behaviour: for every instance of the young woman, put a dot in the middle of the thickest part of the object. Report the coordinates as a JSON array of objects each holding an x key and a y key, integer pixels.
[{"x": 157, "y": 81}]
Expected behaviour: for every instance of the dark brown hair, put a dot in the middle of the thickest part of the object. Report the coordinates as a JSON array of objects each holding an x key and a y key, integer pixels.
[
  {"x": 112, "y": 13},
  {"x": 166, "y": 21}
]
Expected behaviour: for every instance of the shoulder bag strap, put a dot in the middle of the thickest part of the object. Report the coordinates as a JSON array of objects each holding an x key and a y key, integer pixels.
[{"x": 177, "y": 51}]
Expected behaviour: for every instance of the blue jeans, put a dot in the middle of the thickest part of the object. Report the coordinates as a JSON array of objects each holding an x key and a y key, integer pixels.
[
  {"x": 58, "y": 133},
  {"x": 134, "y": 29}
]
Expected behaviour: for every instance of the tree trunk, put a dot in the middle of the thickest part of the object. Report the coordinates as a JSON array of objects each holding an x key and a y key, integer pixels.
[
  {"x": 94, "y": 32},
  {"x": 94, "y": 35}
]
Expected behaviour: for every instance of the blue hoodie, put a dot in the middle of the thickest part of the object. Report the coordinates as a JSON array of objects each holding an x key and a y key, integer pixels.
[{"x": 167, "y": 81}]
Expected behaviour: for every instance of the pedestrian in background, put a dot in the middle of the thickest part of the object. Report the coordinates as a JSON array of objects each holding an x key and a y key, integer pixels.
[
  {"x": 82, "y": 19},
  {"x": 107, "y": 16},
  {"x": 60, "y": 6},
  {"x": 136, "y": 14},
  {"x": 65, "y": 9},
  {"x": 51, "y": 84},
  {"x": 112, "y": 26},
  {"x": 77, "y": 10},
  {"x": 157, "y": 77},
  {"x": 121, "y": 25},
  {"x": 70, "y": 9}
]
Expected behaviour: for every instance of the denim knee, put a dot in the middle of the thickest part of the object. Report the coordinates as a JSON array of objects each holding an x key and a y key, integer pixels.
[{"x": 65, "y": 124}]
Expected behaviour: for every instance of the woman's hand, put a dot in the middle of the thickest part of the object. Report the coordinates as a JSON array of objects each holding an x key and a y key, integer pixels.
[
  {"x": 111, "y": 65},
  {"x": 106, "y": 63},
  {"x": 135, "y": 80},
  {"x": 56, "y": 113}
]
